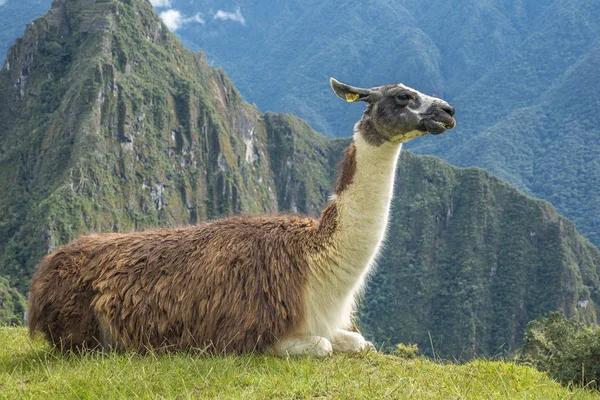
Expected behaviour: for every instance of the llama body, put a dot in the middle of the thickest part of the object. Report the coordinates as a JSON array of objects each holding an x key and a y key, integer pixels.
[
  {"x": 178, "y": 288},
  {"x": 278, "y": 284}
]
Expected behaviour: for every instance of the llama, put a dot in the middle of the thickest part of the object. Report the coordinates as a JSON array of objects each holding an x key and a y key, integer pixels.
[{"x": 283, "y": 285}]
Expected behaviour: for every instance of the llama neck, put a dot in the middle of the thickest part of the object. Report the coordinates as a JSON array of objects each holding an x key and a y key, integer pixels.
[
  {"x": 357, "y": 218},
  {"x": 355, "y": 221},
  {"x": 363, "y": 202}
]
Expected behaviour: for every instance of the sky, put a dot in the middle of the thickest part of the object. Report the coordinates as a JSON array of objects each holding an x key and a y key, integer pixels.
[{"x": 175, "y": 19}]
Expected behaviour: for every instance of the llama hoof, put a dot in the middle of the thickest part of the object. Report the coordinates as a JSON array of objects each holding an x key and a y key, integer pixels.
[
  {"x": 314, "y": 346},
  {"x": 370, "y": 347},
  {"x": 350, "y": 342},
  {"x": 323, "y": 351}
]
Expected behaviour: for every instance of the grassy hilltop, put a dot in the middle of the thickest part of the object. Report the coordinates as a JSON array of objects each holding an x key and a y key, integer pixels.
[{"x": 31, "y": 369}]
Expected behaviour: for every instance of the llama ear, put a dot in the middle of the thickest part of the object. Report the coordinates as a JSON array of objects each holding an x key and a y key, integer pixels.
[{"x": 349, "y": 93}]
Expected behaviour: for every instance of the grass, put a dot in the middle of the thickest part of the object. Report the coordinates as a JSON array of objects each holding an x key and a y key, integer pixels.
[{"x": 29, "y": 369}]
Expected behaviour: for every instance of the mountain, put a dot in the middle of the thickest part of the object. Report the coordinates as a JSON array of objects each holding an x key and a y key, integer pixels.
[
  {"x": 514, "y": 74},
  {"x": 107, "y": 123},
  {"x": 522, "y": 75},
  {"x": 470, "y": 260},
  {"x": 13, "y": 17},
  {"x": 532, "y": 117},
  {"x": 437, "y": 46}
]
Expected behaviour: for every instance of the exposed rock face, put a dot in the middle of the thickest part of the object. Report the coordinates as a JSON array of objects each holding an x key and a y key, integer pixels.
[{"x": 108, "y": 124}]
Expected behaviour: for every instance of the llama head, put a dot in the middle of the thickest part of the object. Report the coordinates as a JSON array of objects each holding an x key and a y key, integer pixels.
[{"x": 397, "y": 113}]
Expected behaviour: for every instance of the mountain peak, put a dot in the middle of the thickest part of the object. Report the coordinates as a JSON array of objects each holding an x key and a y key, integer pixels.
[
  {"x": 104, "y": 112},
  {"x": 84, "y": 31}
]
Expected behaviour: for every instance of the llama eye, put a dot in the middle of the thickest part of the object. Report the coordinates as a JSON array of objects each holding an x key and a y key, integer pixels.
[{"x": 404, "y": 97}]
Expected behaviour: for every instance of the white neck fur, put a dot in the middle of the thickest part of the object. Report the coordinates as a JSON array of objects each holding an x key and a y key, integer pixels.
[{"x": 363, "y": 210}]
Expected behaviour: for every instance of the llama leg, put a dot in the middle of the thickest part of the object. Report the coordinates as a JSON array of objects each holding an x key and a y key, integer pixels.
[
  {"x": 350, "y": 342},
  {"x": 106, "y": 338},
  {"x": 315, "y": 346}
]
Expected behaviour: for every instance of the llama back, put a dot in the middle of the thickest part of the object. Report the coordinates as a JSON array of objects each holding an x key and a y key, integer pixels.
[{"x": 231, "y": 285}]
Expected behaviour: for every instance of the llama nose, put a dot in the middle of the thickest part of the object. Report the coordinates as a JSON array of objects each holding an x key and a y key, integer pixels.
[{"x": 448, "y": 108}]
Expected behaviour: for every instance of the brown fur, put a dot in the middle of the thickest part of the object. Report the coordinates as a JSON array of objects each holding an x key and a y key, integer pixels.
[
  {"x": 347, "y": 169},
  {"x": 230, "y": 285}
]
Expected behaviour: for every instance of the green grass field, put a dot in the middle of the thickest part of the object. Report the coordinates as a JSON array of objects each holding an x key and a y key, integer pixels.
[{"x": 31, "y": 370}]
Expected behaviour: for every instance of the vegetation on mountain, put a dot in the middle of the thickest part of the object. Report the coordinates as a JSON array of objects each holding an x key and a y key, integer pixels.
[
  {"x": 531, "y": 119},
  {"x": 568, "y": 350},
  {"x": 108, "y": 124},
  {"x": 303, "y": 163},
  {"x": 12, "y": 304}
]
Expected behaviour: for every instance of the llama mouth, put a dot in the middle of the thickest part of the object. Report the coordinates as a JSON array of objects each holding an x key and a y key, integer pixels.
[
  {"x": 445, "y": 125},
  {"x": 436, "y": 127}
]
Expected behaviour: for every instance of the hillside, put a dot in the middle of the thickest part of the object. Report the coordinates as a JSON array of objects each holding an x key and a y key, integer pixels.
[
  {"x": 532, "y": 117},
  {"x": 113, "y": 126},
  {"x": 477, "y": 259},
  {"x": 517, "y": 79},
  {"x": 31, "y": 370},
  {"x": 107, "y": 123},
  {"x": 435, "y": 46}
]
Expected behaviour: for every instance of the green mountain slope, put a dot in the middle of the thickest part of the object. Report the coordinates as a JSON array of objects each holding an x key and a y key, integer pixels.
[
  {"x": 108, "y": 124},
  {"x": 469, "y": 261},
  {"x": 436, "y": 46},
  {"x": 533, "y": 118},
  {"x": 12, "y": 304}
]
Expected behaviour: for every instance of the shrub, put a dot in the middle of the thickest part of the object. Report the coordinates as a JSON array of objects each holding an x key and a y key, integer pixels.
[
  {"x": 406, "y": 351},
  {"x": 567, "y": 350},
  {"x": 12, "y": 304}
]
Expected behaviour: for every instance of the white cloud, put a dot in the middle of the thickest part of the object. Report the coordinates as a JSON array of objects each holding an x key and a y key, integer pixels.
[
  {"x": 195, "y": 18},
  {"x": 172, "y": 18},
  {"x": 158, "y": 3},
  {"x": 175, "y": 20},
  {"x": 2, "y": 2},
  {"x": 232, "y": 16}
]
